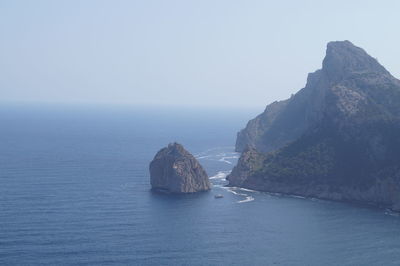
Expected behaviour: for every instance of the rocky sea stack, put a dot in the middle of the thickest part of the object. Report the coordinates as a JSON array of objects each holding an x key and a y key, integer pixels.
[
  {"x": 337, "y": 138},
  {"x": 175, "y": 170}
]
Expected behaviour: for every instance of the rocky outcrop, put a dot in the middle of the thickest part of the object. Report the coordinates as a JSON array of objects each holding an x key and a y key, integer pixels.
[
  {"x": 348, "y": 73},
  {"x": 337, "y": 138},
  {"x": 254, "y": 133},
  {"x": 175, "y": 170}
]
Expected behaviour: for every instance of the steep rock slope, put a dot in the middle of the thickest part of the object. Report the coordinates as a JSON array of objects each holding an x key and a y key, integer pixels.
[
  {"x": 337, "y": 138},
  {"x": 175, "y": 170}
]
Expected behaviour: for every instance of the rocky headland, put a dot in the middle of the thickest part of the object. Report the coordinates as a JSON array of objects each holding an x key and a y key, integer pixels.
[{"x": 337, "y": 138}]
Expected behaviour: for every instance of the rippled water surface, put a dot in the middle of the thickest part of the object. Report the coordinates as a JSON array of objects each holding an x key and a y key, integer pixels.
[{"x": 74, "y": 190}]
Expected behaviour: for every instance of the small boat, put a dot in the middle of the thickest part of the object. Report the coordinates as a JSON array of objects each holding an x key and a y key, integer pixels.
[{"x": 218, "y": 196}]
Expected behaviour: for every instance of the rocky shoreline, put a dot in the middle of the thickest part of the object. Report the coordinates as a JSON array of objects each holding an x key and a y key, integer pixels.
[{"x": 336, "y": 139}]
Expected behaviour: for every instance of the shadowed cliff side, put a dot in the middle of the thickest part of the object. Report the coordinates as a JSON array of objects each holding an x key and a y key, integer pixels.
[
  {"x": 337, "y": 138},
  {"x": 175, "y": 170}
]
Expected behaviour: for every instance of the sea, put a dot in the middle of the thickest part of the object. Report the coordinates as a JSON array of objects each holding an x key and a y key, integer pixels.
[{"x": 75, "y": 190}]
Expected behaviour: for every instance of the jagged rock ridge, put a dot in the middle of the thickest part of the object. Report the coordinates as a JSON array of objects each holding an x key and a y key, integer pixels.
[
  {"x": 175, "y": 170},
  {"x": 346, "y": 68},
  {"x": 337, "y": 138}
]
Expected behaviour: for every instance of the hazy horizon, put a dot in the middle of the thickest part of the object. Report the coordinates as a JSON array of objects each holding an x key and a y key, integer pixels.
[{"x": 179, "y": 53}]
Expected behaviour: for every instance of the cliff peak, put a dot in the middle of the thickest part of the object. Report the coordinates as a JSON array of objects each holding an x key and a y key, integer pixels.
[
  {"x": 337, "y": 138},
  {"x": 344, "y": 58},
  {"x": 176, "y": 148}
]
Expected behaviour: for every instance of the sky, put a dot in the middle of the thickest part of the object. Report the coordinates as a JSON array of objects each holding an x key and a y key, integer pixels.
[{"x": 181, "y": 53}]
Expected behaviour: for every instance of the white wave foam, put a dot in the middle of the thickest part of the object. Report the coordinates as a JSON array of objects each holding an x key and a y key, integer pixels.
[
  {"x": 391, "y": 213},
  {"x": 248, "y": 198},
  {"x": 217, "y": 150},
  {"x": 223, "y": 159},
  {"x": 203, "y": 157},
  {"x": 298, "y": 197},
  {"x": 217, "y": 154},
  {"x": 228, "y": 156},
  {"x": 220, "y": 175},
  {"x": 248, "y": 190},
  {"x": 233, "y": 191}
]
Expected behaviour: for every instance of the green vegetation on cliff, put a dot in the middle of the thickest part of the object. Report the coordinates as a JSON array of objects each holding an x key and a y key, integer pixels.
[{"x": 337, "y": 138}]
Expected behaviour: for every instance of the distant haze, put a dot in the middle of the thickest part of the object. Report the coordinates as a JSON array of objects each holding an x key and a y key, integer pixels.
[{"x": 201, "y": 53}]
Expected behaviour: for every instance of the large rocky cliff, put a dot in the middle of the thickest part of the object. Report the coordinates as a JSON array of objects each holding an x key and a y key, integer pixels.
[
  {"x": 175, "y": 170},
  {"x": 337, "y": 138}
]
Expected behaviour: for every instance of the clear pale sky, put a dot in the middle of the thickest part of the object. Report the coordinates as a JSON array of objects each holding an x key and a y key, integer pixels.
[{"x": 202, "y": 53}]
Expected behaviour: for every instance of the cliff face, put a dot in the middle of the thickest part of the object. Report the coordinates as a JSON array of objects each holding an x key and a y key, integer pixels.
[
  {"x": 175, "y": 170},
  {"x": 337, "y": 138},
  {"x": 348, "y": 73}
]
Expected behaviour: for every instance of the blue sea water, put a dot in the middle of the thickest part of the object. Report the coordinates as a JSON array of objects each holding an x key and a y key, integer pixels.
[{"x": 74, "y": 190}]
